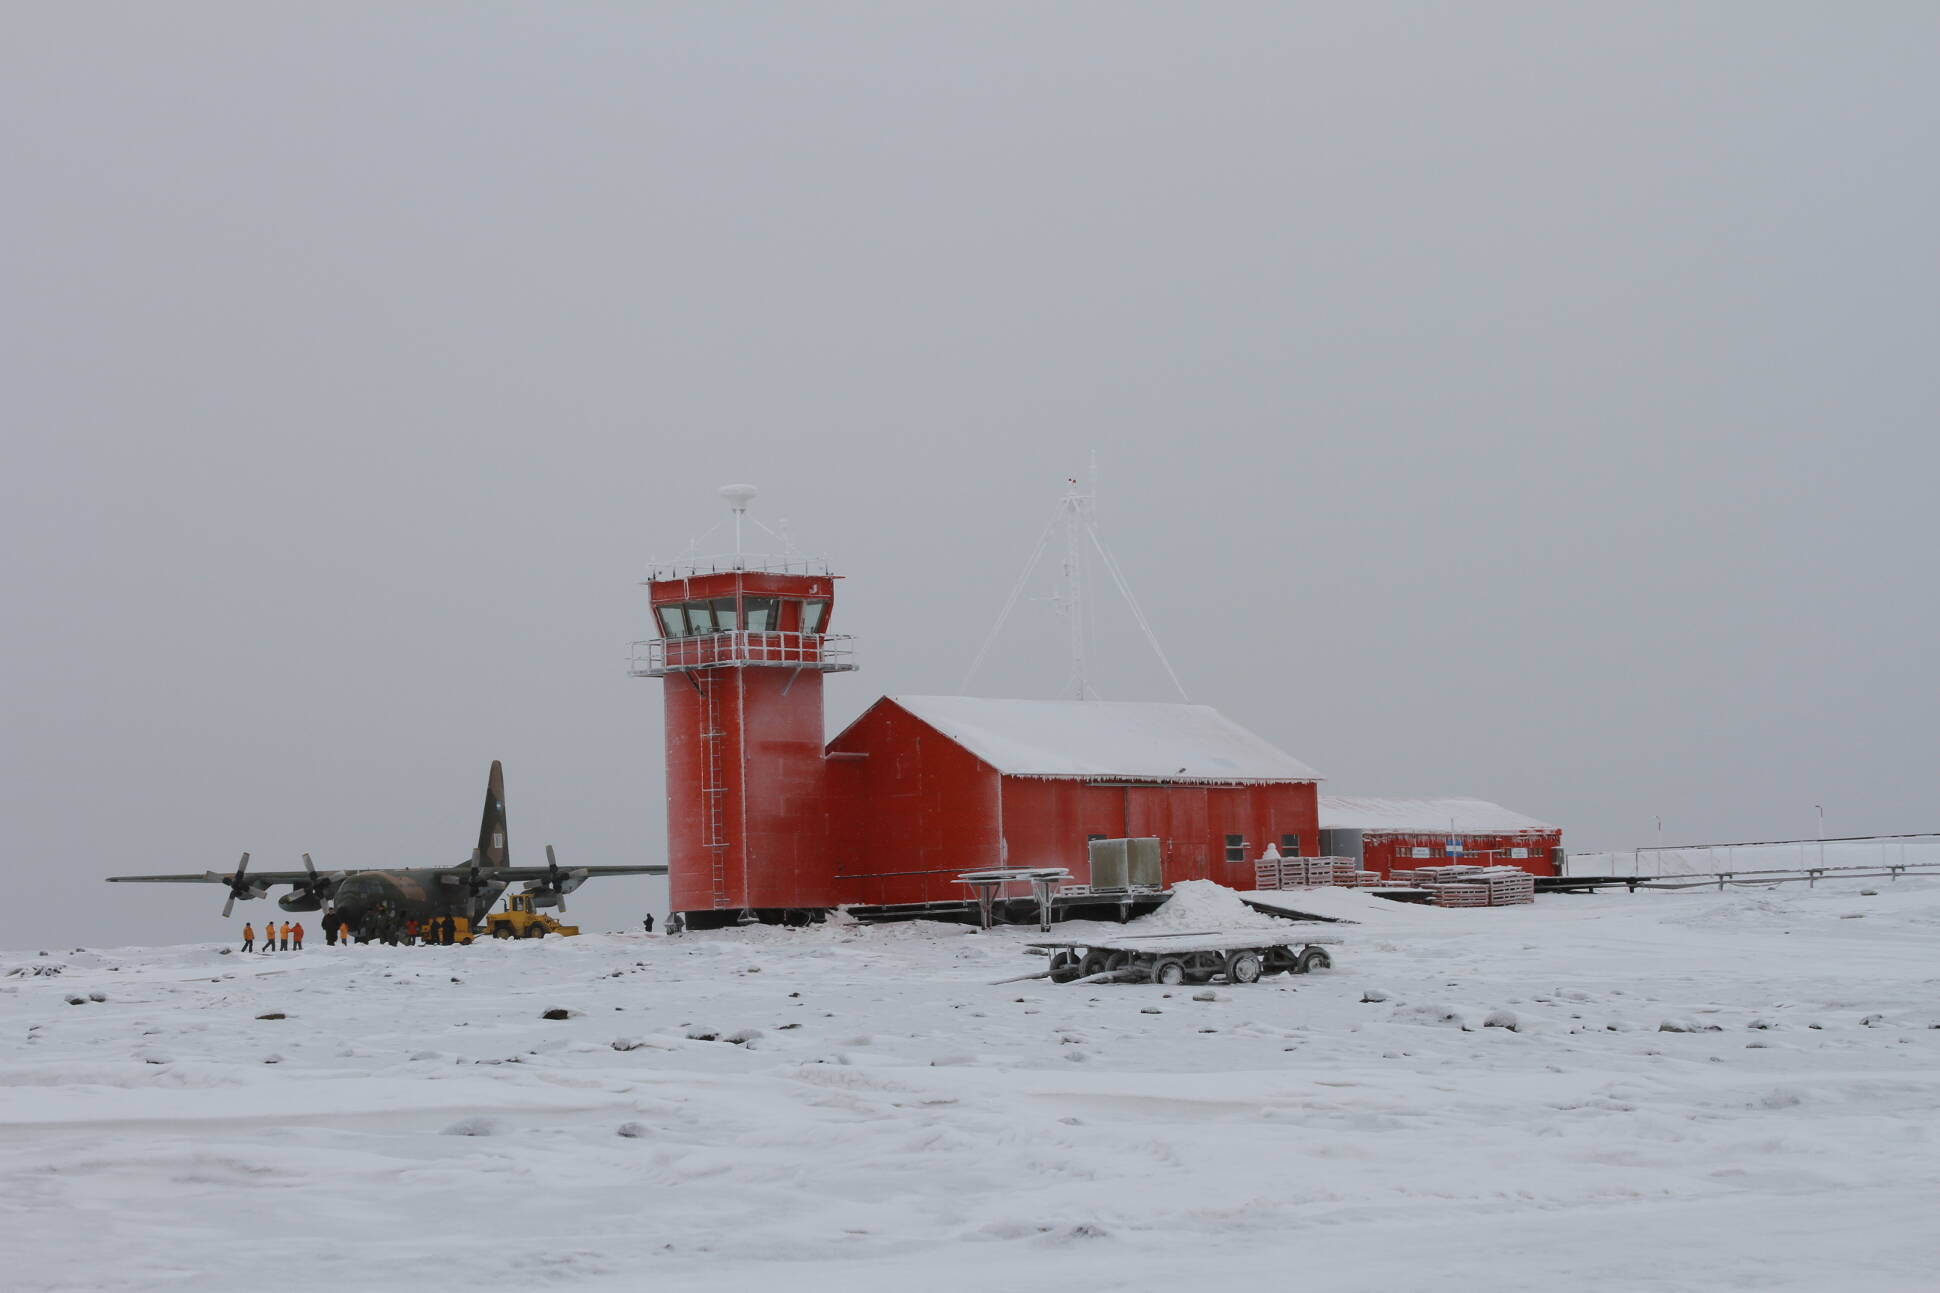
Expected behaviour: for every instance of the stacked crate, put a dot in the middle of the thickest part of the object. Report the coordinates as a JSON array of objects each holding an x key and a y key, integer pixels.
[
  {"x": 1308, "y": 873},
  {"x": 1509, "y": 886},
  {"x": 1472, "y": 886},
  {"x": 1451, "y": 874},
  {"x": 1300, "y": 873}
]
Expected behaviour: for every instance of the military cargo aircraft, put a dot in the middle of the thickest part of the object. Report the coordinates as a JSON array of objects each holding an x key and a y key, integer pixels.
[{"x": 371, "y": 901}]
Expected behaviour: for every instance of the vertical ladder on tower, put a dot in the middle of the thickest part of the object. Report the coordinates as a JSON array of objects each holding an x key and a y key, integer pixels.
[{"x": 714, "y": 790}]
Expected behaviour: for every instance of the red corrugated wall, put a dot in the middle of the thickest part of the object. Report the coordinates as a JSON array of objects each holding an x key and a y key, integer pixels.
[
  {"x": 775, "y": 813},
  {"x": 910, "y": 809},
  {"x": 1047, "y": 823},
  {"x": 911, "y": 815},
  {"x": 1385, "y": 851}
]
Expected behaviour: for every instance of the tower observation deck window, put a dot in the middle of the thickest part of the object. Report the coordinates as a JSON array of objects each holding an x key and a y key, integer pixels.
[
  {"x": 673, "y": 621},
  {"x": 760, "y": 614},
  {"x": 813, "y": 613}
]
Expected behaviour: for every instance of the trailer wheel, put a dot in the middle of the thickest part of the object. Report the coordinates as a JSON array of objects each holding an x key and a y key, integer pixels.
[
  {"x": 1064, "y": 968},
  {"x": 1171, "y": 972},
  {"x": 1118, "y": 960},
  {"x": 1313, "y": 958},
  {"x": 1095, "y": 962},
  {"x": 1243, "y": 967}
]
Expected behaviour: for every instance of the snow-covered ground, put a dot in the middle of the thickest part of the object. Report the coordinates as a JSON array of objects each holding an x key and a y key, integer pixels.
[{"x": 856, "y": 1109}]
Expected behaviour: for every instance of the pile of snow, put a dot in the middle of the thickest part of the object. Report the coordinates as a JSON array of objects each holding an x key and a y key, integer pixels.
[{"x": 1201, "y": 906}]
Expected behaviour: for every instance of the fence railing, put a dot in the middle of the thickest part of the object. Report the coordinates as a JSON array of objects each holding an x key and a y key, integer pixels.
[
  {"x": 823, "y": 652},
  {"x": 693, "y": 567},
  {"x": 1862, "y": 852}
]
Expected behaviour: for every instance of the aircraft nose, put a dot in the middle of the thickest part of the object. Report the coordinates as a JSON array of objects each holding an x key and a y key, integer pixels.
[{"x": 356, "y": 893}]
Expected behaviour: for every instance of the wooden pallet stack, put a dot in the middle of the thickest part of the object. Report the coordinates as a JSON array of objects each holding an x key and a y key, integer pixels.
[
  {"x": 1474, "y": 886},
  {"x": 1461, "y": 895},
  {"x": 1310, "y": 873},
  {"x": 1509, "y": 886},
  {"x": 1450, "y": 874}
]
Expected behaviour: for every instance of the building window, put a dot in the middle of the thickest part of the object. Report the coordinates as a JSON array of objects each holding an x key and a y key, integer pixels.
[
  {"x": 1236, "y": 848},
  {"x": 1289, "y": 846},
  {"x": 700, "y": 617},
  {"x": 759, "y": 613},
  {"x": 1419, "y": 853},
  {"x": 813, "y": 613},
  {"x": 1518, "y": 853},
  {"x": 725, "y": 620},
  {"x": 673, "y": 621}
]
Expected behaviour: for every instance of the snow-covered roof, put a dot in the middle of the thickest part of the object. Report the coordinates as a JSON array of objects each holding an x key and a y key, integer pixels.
[
  {"x": 1435, "y": 816},
  {"x": 1101, "y": 738}
]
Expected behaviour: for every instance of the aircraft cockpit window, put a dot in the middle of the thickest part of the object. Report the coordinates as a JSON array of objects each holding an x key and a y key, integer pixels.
[
  {"x": 759, "y": 613},
  {"x": 673, "y": 621}
]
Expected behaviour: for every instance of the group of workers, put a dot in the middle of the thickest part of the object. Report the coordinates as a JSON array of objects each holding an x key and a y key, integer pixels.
[
  {"x": 384, "y": 927},
  {"x": 380, "y": 929},
  {"x": 292, "y": 939}
]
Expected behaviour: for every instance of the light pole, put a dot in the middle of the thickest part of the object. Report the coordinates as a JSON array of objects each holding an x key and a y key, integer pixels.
[{"x": 1821, "y": 836}]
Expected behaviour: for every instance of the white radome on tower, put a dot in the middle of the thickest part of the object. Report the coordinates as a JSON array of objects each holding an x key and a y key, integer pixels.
[{"x": 738, "y": 497}]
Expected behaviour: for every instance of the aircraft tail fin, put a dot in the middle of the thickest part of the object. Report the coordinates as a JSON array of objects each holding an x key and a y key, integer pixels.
[{"x": 491, "y": 828}]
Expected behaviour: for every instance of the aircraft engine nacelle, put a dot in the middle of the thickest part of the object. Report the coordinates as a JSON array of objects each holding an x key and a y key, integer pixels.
[
  {"x": 299, "y": 900},
  {"x": 542, "y": 896}
]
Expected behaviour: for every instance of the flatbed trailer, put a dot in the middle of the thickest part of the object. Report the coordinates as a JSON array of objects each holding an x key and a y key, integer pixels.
[{"x": 1238, "y": 957}]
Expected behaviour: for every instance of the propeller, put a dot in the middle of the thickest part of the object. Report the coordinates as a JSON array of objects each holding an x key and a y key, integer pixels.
[
  {"x": 239, "y": 886},
  {"x": 322, "y": 888},
  {"x": 475, "y": 881},
  {"x": 552, "y": 877}
]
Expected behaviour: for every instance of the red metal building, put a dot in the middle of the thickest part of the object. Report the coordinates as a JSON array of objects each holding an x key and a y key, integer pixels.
[
  {"x": 741, "y": 653},
  {"x": 764, "y": 820},
  {"x": 1388, "y": 834},
  {"x": 925, "y": 787}
]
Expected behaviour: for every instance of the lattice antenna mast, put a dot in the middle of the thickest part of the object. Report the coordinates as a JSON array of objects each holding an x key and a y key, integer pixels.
[{"x": 1077, "y": 516}]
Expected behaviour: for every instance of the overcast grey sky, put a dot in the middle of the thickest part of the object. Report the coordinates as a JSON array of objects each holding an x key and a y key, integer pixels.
[{"x": 1528, "y": 400}]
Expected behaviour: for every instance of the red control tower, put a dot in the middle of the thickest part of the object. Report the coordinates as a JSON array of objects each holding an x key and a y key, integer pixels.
[{"x": 743, "y": 644}]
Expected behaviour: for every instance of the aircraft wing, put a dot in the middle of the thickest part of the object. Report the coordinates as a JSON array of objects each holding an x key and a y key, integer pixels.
[
  {"x": 585, "y": 872},
  {"x": 262, "y": 878}
]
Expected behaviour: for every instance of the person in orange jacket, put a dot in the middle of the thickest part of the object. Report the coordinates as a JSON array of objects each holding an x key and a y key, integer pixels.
[
  {"x": 249, "y": 937},
  {"x": 299, "y": 936},
  {"x": 343, "y": 933},
  {"x": 284, "y": 945}
]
